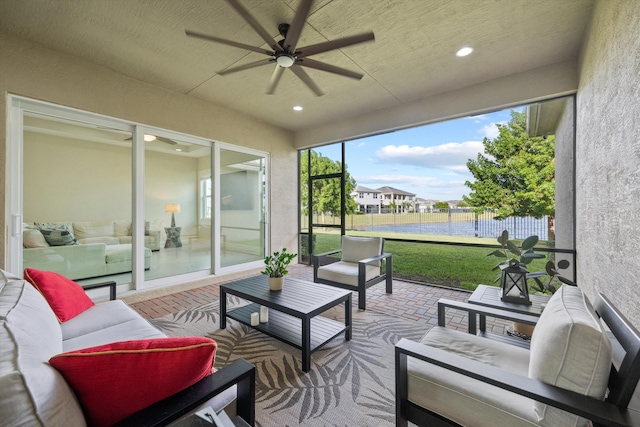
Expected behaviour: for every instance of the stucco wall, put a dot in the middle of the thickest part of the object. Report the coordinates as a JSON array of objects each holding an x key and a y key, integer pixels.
[
  {"x": 564, "y": 218},
  {"x": 608, "y": 157},
  {"x": 32, "y": 71}
]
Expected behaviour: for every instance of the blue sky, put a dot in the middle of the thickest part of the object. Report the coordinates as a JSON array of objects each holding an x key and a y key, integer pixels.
[{"x": 429, "y": 161}]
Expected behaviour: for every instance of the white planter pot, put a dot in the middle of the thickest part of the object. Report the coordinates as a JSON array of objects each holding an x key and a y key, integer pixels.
[{"x": 275, "y": 283}]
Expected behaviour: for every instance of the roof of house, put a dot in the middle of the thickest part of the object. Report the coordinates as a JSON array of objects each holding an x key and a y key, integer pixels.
[
  {"x": 392, "y": 190},
  {"x": 361, "y": 189}
]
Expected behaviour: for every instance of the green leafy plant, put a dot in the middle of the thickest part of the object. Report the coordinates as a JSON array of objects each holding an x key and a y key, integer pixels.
[
  {"x": 524, "y": 254},
  {"x": 276, "y": 264}
]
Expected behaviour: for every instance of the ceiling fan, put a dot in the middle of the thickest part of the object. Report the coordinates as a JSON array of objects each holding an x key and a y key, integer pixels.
[{"x": 285, "y": 53}]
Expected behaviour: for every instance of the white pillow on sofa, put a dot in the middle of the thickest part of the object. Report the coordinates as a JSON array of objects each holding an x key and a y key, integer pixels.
[
  {"x": 122, "y": 227},
  {"x": 33, "y": 238},
  {"x": 87, "y": 229}
]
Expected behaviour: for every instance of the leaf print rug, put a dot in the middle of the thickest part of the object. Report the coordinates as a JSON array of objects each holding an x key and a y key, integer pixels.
[{"x": 351, "y": 383}]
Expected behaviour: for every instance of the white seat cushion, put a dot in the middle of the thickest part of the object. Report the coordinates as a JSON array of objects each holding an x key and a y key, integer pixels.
[
  {"x": 97, "y": 318},
  {"x": 137, "y": 329},
  {"x": 465, "y": 400},
  {"x": 346, "y": 272},
  {"x": 570, "y": 349}
]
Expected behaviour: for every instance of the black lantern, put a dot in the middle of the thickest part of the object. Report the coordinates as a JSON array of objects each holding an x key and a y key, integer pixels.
[{"x": 514, "y": 283}]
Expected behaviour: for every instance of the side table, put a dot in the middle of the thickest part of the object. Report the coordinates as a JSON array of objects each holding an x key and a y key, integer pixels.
[
  {"x": 489, "y": 296},
  {"x": 173, "y": 237}
]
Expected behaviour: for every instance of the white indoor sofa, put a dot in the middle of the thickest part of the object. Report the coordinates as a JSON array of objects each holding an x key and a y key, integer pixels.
[
  {"x": 34, "y": 393},
  {"x": 100, "y": 248}
]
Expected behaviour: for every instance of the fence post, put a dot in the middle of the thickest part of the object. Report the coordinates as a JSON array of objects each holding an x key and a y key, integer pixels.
[{"x": 476, "y": 224}]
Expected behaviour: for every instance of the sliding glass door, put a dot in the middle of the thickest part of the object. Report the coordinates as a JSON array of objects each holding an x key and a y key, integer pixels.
[
  {"x": 96, "y": 198},
  {"x": 175, "y": 231},
  {"x": 242, "y": 204}
]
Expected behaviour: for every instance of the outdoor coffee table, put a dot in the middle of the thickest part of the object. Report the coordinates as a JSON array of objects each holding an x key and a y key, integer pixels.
[{"x": 294, "y": 315}]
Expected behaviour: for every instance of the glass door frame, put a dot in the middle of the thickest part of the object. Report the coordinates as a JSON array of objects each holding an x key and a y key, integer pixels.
[
  {"x": 310, "y": 179},
  {"x": 215, "y": 207}
]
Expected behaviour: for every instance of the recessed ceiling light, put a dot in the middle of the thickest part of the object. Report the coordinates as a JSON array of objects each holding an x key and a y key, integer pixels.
[
  {"x": 178, "y": 149},
  {"x": 297, "y": 108},
  {"x": 464, "y": 51}
]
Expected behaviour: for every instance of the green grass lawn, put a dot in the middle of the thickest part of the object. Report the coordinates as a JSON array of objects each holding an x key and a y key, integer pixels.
[{"x": 454, "y": 266}]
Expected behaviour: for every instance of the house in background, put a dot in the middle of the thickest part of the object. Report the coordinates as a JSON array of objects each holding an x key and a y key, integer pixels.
[
  {"x": 403, "y": 199},
  {"x": 367, "y": 200}
]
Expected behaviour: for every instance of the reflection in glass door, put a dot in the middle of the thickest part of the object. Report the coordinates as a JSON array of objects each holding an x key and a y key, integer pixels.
[
  {"x": 177, "y": 220},
  {"x": 242, "y": 207},
  {"x": 77, "y": 199}
]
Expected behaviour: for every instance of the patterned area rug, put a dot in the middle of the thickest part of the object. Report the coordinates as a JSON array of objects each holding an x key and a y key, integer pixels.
[{"x": 351, "y": 383}]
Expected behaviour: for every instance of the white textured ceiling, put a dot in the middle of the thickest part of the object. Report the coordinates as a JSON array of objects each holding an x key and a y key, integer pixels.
[{"x": 412, "y": 57}]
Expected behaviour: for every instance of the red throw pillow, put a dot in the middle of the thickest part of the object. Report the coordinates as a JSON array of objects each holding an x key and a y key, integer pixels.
[
  {"x": 66, "y": 298},
  {"x": 116, "y": 380}
]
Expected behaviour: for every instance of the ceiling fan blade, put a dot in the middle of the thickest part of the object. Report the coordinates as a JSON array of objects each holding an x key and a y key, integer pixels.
[
  {"x": 275, "y": 79},
  {"x": 334, "y": 44},
  {"x": 166, "y": 140},
  {"x": 302, "y": 75},
  {"x": 227, "y": 42},
  {"x": 245, "y": 66},
  {"x": 293, "y": 34},
  {"x": 307, "y": 62},
  {"x": 255, "y": 25}
]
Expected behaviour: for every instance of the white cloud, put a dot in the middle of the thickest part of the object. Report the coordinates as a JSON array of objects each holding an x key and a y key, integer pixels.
[
  {"x": 451, "y": 156},
  {"x": 491, "y": 130}
]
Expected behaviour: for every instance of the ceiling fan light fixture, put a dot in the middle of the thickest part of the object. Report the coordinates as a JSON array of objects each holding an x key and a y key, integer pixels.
[
  {"x": 285, "y": 61},
  {"x": 149, "y": 138}
]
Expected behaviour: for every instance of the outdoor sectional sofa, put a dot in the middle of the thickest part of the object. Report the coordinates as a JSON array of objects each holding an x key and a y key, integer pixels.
[
  {"x": 38, "y": 332},
  {"x": 91, "y": 248}
]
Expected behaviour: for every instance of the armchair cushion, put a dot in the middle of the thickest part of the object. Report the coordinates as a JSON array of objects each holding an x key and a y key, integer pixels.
[
  {"x": 116, "y": 380},
  {"x": 66, "y": 298},
  {"x": 446, "y": 392},
  {"x": 569, "y": 349},
  {"x": 346, "y": 272},
  {"x": 355, "y": 249}
]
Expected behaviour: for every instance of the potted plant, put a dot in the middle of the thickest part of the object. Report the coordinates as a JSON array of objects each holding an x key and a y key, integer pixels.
[
  {"x": 276, "y": 268},
  {"x": 523, "y": 255},
  {"x": 513, "y": 267}
]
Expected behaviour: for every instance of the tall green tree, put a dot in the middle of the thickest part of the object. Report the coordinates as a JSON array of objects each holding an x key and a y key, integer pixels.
[
  {"x": 326, "y": 192},
  {"x": 516, "y": 174}
]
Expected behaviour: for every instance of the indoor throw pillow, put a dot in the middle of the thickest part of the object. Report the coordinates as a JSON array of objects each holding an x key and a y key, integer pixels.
[{"x": 57, "y": 234}]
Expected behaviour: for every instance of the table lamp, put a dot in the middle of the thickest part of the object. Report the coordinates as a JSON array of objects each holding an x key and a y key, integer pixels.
[{"x": 172, "y": 208}]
